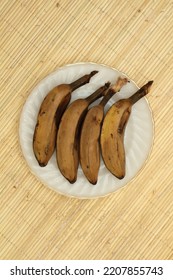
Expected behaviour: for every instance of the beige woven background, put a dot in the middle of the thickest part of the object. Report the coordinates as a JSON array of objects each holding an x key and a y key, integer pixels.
[{"x": 36, "y": 37}]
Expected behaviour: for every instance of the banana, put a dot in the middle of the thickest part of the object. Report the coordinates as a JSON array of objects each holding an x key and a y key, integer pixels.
[
  {"x": 67, "y": 144},
  {"x": 90, "y": 134},
  {"x": 51, "y": 110},
  {"x": 113, "y": 129}
]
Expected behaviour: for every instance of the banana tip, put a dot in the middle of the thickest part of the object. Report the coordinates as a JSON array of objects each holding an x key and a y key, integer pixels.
[
  {"x": 42, "y": 164},
  {"x": 120, "y": 177},
  {"x": 93, "y": 182},
  {"x": 107, "y": 84},
  {"x": 93, "y": 73},
  {"x": 150, "y": 83},
  {"x": 72, "y": 181}
]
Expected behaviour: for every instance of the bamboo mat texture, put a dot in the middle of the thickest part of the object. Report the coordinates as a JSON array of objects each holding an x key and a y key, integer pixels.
[{"x": 38, "y": 37}]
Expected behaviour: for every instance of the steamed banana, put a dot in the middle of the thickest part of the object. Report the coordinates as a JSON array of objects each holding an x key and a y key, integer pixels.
[
  {"x": 90, "y": 134},
  {"x": 51, "y": 110},
  {"x": 67, "y": 145},
  {"x": 113, "y": 129}
]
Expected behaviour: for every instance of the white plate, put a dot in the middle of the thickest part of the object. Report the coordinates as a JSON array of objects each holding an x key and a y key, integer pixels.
[{"x": 138, "y": 135}]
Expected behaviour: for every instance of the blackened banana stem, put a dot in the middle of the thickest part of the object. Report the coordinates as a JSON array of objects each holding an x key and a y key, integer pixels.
[
  {"x": 82, "y": 81},
  {"x": 97, "y": 94},
  {"x": 113, "y": 89},
  {"x": 141, "y": 92}
]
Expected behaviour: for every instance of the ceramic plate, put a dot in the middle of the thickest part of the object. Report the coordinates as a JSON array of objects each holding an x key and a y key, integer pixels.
[{"x": 138, "y": 134}]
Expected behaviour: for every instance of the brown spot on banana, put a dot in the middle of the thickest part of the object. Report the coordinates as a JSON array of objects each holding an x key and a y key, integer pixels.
[{"x": 42, "y": 113}]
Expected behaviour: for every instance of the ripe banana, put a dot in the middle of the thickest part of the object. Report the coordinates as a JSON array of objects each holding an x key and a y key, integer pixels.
[
  {"x": 51, "y": 110},
  {"x": 90, "y": 134},
  {"x": 68, "y": 134},
  {"x": 113, "y": 129}
]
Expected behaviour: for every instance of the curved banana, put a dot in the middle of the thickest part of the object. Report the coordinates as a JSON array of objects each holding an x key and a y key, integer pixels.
[
  {"x": 113, "y": 129},
  {"x": 90, "y": 135},
  {"x": 51, "y": 110},
  {"x": 68, "y": 134}
]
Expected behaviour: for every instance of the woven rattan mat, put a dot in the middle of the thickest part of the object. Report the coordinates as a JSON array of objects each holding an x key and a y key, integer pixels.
[{"x": 37, "y": 37}]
